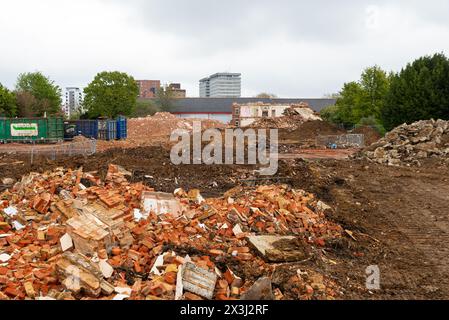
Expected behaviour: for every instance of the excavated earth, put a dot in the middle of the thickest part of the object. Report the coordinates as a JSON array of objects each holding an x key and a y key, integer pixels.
[{"x": 397, "y": 216}]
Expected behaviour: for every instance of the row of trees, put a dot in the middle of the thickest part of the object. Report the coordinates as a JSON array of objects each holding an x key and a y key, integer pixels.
[
  {"x": 110, "y": 94},
  {"x": 419, "y": 91},
  {"x": 34, "y": 95}
]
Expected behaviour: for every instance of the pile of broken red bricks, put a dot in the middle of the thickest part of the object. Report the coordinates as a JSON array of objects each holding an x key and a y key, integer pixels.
[{"x": 66, "y": 235}]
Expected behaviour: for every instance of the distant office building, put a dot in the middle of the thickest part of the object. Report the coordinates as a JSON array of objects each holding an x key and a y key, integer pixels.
[
  {"x": 73, "y": 101},
  {"x": 221, "y": 85},
  {"x": 148, "y": 88},
  {"x": 178, "y": 92}
]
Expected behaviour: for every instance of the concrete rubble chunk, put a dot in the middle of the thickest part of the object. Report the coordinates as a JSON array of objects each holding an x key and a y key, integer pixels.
[
  {"x": 106, "y": 269},
  {"x": 161, "y": 203},
  {"x": 199, "y": 281},
  {"x": 4, "y": 257},
  {"x": 261, "y": 290},
  {"x": 66, "y": 242}
]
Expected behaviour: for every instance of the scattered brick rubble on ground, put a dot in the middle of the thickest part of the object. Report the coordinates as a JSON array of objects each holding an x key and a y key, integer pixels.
[{"x": 66, "y": 234}]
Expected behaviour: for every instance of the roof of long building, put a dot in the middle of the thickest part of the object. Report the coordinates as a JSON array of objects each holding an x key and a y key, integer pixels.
[{"x": 224, "y": 105}]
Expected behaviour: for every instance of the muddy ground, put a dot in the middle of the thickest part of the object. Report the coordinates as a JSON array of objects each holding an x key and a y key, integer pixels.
[{"x": 399, "y": 216}]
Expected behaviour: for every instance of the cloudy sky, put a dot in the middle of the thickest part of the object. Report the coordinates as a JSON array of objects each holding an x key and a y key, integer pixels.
[{"x": 293, "y": 48}]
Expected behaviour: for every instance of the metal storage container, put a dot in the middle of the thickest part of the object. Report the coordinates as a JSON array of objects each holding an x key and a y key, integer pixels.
[
  {"x": 122, "y": 128},
  {"x": 87, "y": 128},
  {"x": 55, "y": 129},
  {"x": 32, "y": 130},
  {"x": 107, "y": 130}
]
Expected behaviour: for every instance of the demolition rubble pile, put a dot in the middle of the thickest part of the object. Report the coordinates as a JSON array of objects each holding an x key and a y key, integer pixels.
[
  {"x": 163, "y": 124},
  {"x": 412, "y": 143},
  {"x": 67, "y": 235},
  {"x": 153, "y": 130},
  {"x": 292, "y": 118}
]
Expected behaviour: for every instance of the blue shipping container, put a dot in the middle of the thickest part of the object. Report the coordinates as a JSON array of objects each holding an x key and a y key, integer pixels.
[
  {"x": 122, "y": 128},
  {"x": 107, "y": 130},
  {"x": 87, "y": 128}
]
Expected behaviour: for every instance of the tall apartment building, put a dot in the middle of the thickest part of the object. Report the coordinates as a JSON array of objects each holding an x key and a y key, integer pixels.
[
  {"x": 221, "y": 85},
  {"x": 148, "y": 88},
  {"x": 73, "y": 101}
]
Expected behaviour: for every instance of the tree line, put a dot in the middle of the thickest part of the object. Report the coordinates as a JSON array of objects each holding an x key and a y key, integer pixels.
[
  {"x": 109, "y": 94},
  {"x": 420, "y": 91}
]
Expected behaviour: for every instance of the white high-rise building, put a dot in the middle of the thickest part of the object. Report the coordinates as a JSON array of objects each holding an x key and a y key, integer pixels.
[
  {"x": 221, "y": 85},
  {"x": 73, "y": 101}
]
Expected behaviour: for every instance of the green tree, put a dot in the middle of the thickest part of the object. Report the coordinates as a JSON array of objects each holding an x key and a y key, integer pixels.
[
  {"x": 8, "y": 106},
  {"x": 361, "y": 99},
  {"x": 47, "y": 95},
  {"x": 420, "y": 91},
  {"x": 25, "y": 102},
  {"x": 165, "y": 98},
  {"x": 375, "y": 85},
  {"x": 111, "y": 94}
]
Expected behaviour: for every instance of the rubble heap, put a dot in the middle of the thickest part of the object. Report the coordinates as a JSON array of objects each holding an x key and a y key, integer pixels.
[
  {"x": 66, "y": 234},
  {"x": 293, "y": 117},
  {"x": 412, "y": 143},
  {"x": 154, "y": 130}
]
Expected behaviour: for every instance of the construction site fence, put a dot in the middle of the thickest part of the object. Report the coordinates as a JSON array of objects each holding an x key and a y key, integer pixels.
[
  {"x": 342, "y": 141},
  {"x": 57, "y": 151}
]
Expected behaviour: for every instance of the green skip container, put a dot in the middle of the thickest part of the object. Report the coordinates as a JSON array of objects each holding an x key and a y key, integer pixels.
[{"x": 32, "y": 130}]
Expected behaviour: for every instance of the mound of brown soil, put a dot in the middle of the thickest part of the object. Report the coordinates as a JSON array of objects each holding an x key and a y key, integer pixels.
[{"x": 310, "y": 130}]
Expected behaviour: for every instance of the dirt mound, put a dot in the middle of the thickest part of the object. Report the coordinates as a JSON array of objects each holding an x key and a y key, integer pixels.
[
  {"x": 310, "y": 130},
  {"x": 410, "y": 144},
  {"x": 371, "y": 134},
  {"x": 155, "y": 130}
]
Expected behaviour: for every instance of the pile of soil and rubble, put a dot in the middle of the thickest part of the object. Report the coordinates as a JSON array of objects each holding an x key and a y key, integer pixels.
[
  {"x": 393, "y": 217},
  {"x": 411, "y": 144},
  {"x": 305, "y": 136},
  {"x": 154, "y": 130},
  {"x": 310, "y": 130},
  {"x": 67, "y": 234},
  {"x": 292, "y": 118}
]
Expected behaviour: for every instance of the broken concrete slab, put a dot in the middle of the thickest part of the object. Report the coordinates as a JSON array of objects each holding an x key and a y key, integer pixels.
[
  {"x": 261, "y": 291},
  {"x": 161, "y": 203},
  {"x": 106, "y": 268},
  {"x": 279, "y": 248},
  {"x": 66, "y": 242},
  {"x": 198, "y": 280},
  {"x": 4, "y": 257}
]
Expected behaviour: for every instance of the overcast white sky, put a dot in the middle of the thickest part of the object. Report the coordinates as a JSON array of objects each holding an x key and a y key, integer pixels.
[{"x": 292, "y": 48}]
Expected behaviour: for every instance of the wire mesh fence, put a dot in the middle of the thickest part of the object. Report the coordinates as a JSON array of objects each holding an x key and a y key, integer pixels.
[
  {"x": 56, "y": 151},
  {"x": 342, "y": 141}
]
